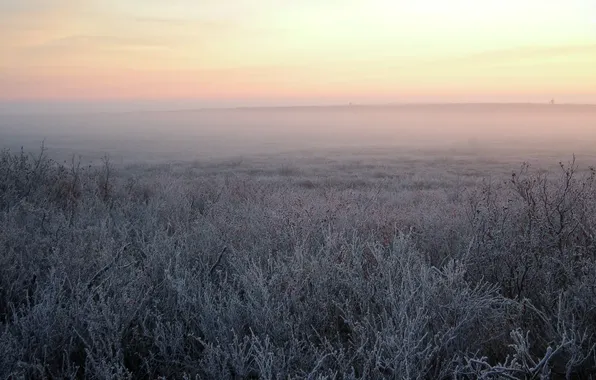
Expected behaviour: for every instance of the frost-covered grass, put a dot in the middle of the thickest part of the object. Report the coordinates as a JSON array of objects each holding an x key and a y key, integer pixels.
[{"x": 320, "y": 269}]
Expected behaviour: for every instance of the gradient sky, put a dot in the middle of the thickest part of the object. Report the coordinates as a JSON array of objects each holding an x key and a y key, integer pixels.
[{"x": 289, "y": 49}]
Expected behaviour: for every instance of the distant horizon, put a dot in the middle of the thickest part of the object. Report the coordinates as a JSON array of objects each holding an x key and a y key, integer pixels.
[{"x": 65, "y": 108}]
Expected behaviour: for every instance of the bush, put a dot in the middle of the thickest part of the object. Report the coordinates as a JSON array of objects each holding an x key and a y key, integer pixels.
[{"x": 229, "y": 277}]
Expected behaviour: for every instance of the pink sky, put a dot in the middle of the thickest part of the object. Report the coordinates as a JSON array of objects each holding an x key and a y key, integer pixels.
[{"x": 277, "y": 50}]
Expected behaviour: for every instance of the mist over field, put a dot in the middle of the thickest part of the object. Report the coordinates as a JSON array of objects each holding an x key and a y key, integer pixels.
[
  {"x": 352, "y": 242},
  {"x": 217, "y": 133}
]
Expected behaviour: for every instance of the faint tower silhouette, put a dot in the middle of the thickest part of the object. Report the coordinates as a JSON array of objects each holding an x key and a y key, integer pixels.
[{"x": 552, "y": 101}]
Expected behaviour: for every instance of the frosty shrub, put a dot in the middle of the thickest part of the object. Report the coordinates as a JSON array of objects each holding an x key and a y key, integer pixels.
[{"x": 178, "y": 272}]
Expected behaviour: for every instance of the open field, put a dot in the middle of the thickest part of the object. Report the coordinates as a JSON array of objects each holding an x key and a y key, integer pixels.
[
  {"x": 511, "y": 129},
  {"x": 318, "y": 254}
]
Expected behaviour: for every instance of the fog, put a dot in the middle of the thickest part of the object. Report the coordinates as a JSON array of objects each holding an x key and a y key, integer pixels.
[
  {"x": 180, "y": 135},
  {"x": 467, "y": 229}
]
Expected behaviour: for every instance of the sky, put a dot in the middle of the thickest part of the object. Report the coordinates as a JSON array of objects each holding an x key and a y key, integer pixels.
[{"x": 267, "y": 51}]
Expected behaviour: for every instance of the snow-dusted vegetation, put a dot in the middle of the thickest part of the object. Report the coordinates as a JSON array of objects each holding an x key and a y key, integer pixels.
[{"x": 297, "y": 269}]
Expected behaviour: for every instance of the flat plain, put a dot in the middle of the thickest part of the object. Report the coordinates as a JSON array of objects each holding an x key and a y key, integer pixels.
[{"x": 413, "y": 242}]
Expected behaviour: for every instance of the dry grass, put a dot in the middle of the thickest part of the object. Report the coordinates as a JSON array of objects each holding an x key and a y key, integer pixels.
[{"x": 326, "y": 270}]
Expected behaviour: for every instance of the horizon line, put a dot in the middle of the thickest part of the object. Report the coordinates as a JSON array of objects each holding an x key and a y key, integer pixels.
[
  {"x": 350, "y": 105},
  {"x": 281, "y": 107}
]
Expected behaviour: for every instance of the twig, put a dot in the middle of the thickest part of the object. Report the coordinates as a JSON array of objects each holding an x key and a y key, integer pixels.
[
  {"x": 225, "y": 248},
  {"x": 107, "y": 266}
]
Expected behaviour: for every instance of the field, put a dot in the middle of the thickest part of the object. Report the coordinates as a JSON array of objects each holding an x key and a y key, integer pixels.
[{"x": 469, "y": 259}]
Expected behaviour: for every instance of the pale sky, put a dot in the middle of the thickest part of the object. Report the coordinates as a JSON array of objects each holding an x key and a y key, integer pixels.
[{"x": 112, "y": 50}]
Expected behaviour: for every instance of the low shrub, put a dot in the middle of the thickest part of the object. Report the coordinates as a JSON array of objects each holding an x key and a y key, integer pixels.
[{"x": 105, "y": 276}]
